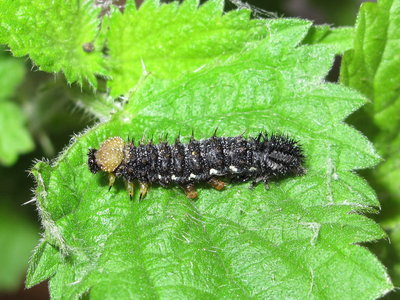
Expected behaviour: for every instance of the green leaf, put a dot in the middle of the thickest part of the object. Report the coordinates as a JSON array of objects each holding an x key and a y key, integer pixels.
[
  {"x": 373, "y": 67},
  {"x": 43, "y": 264},
  {"x": 341, "y": 39},
  {"x": 15, "y": 138},
  {"x": 12, "y": 72},
  {"x": 169, "y": 40},
  {"x": 296, "y": 240},
  {"x": 17, "y": 238},
  {"x": 53, "y": 33}
]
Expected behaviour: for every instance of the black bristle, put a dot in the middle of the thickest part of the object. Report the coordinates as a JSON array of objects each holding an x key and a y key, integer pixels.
[
  {"x": 93, "y": 166},
  {"x": 258, "y": 159}
]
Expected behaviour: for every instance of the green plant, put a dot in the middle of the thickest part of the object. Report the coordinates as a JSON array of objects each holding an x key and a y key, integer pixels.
[
  {"x": 372, "y": 68},
  {"x": 172, "y": 68},
  {"x": 15, "y": 139}
]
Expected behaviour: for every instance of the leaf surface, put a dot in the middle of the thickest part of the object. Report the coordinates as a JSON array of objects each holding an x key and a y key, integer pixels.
[
  {"x": 17, "y": 238},
  {"x": 12, "y": 72},
  {"x": 54, "y": 33},
  {"x": 373, "y": 68},
  {"x": 15, "y": 139},
  {"x": 340, "y": 38},
  {"x": 169, "y": 40},
  {"x": 296, "y": 240}
]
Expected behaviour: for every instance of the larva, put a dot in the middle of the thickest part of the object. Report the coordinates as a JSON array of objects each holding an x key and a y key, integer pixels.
[{"x": 258, "y": 159}]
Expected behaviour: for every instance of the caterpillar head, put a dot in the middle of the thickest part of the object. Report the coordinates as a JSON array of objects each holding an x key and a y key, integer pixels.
[{"x": 109, "y": 156}]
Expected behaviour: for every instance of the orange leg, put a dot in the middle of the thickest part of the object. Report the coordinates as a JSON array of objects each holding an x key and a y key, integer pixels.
[
  {"x": 190, "y": 191},
  {"x": 216, "y": 184}
]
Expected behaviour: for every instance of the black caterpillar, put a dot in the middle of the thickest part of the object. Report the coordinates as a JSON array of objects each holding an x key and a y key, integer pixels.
[{"x": 199, "y": 161}]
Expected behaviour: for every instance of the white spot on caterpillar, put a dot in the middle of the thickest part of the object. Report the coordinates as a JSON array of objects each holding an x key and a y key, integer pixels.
[
  {"x": 173, "y": 177},
  {"x": 252, "y": 169},
  {"x": 192, "y": 176},
  {"x": 159, "y": 176},
  {"x": 273, "y": 165},
  {"x": 233, "y": 169},
  {"x": 213, "y": 172}
]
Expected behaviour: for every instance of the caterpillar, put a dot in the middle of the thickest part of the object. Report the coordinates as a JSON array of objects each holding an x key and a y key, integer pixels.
[{"x": 258, "y": 159}]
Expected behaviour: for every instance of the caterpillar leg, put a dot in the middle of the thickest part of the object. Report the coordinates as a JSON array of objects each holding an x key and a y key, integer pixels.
[
  {"x": 144, "y": 187},
  {"x": 190, "y": 191},
  {"x": 111, "y": 180},
  {"x": 130, "y": 187},
  {"x": 266, "y": 185},
  {"x": 256, "y": 181},
  {"x": 265, "y": 180},
  {"x": 216, "y": 183}
]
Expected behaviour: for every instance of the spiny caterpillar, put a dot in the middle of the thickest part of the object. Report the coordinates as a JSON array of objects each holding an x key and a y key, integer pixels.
[{"x": 199, "y": 161}]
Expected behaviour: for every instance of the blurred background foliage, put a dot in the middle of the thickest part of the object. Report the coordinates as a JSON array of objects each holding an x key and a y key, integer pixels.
[{"x": 49, "y": 114}]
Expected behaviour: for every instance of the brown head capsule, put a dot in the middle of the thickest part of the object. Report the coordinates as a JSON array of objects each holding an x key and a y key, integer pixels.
[{"x": 108, "y": 157}]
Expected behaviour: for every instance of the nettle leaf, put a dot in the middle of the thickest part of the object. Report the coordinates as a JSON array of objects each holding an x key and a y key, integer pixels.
[
  {"x": 340, "y": 38},
  {"x": 12, "y": 72},
  {"x": 373, "y": 68},
  {"x": 171, "y": 39},
  {"x": 15, "y": 139},
  {"x": 17, "y": 238},
  {"x": 299, "y": 239},
  {"x": 54, "y": 34}
]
